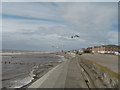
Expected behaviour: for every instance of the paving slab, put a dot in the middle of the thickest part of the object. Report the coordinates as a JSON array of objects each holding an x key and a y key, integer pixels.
[
  {"x": 74, "y": 77},
  {"x": 65, "y": 75}
]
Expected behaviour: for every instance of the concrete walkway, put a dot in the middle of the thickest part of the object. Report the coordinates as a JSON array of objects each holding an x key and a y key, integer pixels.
[
  {"x": 65, "y": 75},
  {"x": 77, "y": 73}
]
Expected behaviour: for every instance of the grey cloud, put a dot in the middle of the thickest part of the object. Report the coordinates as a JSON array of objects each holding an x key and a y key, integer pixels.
[{"x": 91, "y": 21}]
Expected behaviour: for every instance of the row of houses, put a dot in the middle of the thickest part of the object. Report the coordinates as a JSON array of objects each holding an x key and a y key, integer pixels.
[{"x": 104, "y": 49}]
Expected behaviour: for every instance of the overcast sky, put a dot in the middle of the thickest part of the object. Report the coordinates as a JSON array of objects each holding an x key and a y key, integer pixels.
[{"x": 49, "y": 26}]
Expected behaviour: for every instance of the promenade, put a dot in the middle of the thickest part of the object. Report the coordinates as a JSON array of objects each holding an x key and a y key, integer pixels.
[
  {"x": 76, "y": 72},
  {"x": 65, "y": 75}
]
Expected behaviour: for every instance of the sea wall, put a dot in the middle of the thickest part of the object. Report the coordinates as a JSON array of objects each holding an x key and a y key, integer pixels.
[{"x": 99, "y": 73}]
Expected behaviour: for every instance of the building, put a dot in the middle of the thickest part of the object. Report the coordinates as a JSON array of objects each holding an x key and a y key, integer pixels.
[
  {"x": 95, "y": 49},
  {"x": 104, "y": 49},
  {"x": 108, "y": 49},
  {"x": 89, "y": 48},
  {"x": 81, "y": 50}
]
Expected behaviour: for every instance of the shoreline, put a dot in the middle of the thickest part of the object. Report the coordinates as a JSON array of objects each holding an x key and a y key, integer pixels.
[
  {"x": 38, "y": 73},
  {"x": 36, "y": 77}
]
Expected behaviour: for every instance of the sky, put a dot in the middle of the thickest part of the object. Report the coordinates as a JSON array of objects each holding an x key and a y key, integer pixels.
[
  {"x": 48, "y": 26},
  {"x": 60, "y": 0}
]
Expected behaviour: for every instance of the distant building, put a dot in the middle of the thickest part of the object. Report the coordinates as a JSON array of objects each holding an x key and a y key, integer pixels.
[
  {"x": 81, "y": 50},
  {"x": 106, "y": 49},
  {"x": 86, "y": 50},
  {"x": 89, "y": 48},
  {"x": 95, "y": 49}
]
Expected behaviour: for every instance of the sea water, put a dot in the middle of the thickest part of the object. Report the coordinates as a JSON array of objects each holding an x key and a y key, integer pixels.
[{"x": 20, "y": 69}]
